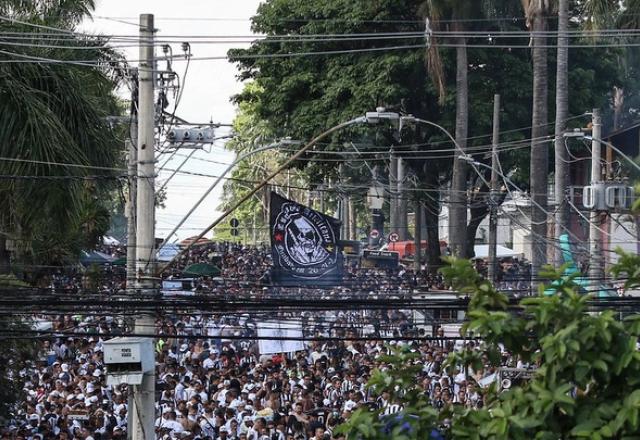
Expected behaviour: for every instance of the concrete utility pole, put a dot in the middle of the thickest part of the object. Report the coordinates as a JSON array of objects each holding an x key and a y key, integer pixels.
[
  {"x": 132, "y": 151},
  {"x": 343, "y": 207},
  {"x": 393, "y": 191},
  {"x": 403, "y": 226},
  {"x": 417, "y": 236},
  {"x": 493, "y": 195},
  {"x": 143, "y": 397},
  {"x": 595, "y": 245},
  {"x": 132, "y": 148},
  {"x": 352, "y": 220},
  {"x": 323, "y": 193}
]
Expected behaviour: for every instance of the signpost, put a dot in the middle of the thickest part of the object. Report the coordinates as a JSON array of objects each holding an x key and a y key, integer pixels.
[{"x": 234, "y": 222}]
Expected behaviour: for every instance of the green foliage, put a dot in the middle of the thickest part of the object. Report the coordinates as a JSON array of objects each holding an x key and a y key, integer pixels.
[
  {"x": 302, "y": 96},
  {"x": 10, "y": 281},
  {"x": 587, "y": 381},
  {"x": 53, "y": 114},
  {"x": 14, "y": 355},
  {"x": 421, "y": 418}
]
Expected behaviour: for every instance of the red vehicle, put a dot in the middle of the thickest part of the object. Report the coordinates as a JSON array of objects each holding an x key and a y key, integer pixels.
[{"x": 408, "y": 248}]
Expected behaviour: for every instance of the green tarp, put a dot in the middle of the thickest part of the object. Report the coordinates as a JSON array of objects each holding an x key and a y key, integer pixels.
[
  {"x": 122, "y": 261},
  {"x": 202, "y": 269}
]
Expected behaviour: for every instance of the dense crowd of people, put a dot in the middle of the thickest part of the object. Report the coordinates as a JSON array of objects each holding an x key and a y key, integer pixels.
[{"x": 214, "y": 380}]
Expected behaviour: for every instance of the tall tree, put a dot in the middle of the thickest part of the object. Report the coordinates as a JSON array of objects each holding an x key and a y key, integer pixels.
[
  {"x": 52, "y": 114},
  {"x": 562, "y": 113},
  {"x": 457, "y": 12},
  {"x": 536, "y": 12}
]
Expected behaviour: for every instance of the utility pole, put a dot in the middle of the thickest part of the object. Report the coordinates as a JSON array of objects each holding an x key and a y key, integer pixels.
[
  {"x": 132, "y": 148},
  {"x": 142, "y": 402},
  {"x": 595, "y": 245},
  {"x": 352, "y": 219},
  {"x": 493, "y": 195},
  {"x": 401, "y": 216},
  {"x": 343, "y": 205},
  {"x": 323, "y": 192},
  {"x": 253, "y": 228},
  {"x": 132, "y": 151},
  {"x": 393, "y": 191},
  {"x": 417, "y": 236}
]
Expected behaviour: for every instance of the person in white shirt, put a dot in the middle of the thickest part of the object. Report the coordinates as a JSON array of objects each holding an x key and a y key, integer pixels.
[{"x": 212, "y": 361}]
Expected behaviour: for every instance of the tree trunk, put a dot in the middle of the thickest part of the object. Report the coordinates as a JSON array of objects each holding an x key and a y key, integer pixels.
[
  {"x": 433, "y": 235},
  {"x": 477, "y": 216},
  {"x": 539, "y": 146},
  {"x": 458, "y": 198},
  {"x": 562, "y": 113},
  {"x": 5, "y": 262}
]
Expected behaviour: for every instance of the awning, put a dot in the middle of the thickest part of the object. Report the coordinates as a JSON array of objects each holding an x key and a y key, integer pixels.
[
  {"x": 187, "y": 241},
  {"x": 108, "y": 240},
  {"x": 122, "y": 261},
  {"x": 482, "y": 251},
  {"x": 202, "y": 269},
  {"x": 167, "y": 252},
  {"x": 95, "y": 257}
]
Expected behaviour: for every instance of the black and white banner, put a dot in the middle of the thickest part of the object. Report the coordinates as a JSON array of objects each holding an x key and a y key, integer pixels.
[{"x": 303, "y": 245}]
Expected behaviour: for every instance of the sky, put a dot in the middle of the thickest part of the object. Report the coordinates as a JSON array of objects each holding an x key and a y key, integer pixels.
[{"x": 208, "y": 87}]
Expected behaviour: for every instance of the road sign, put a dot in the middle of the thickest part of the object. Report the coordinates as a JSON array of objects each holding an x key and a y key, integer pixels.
[
  {"x": 393, "y": 237},
  {"x": 234, "y": 223},
  {"x": 374, "y": 234}
]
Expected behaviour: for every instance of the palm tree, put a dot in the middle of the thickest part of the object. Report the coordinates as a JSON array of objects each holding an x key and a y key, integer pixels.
[
  {"x": 52, "y": 113},
  {"x": 536, "y": 12},
  {"x": 457, "y": 11},
  {"x": 562, "y": 113}
]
